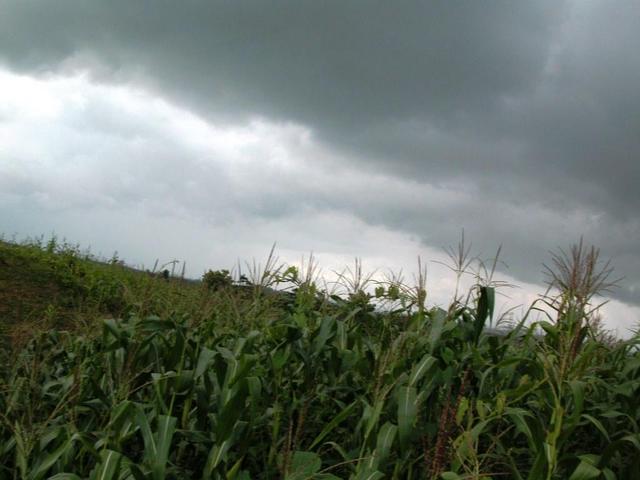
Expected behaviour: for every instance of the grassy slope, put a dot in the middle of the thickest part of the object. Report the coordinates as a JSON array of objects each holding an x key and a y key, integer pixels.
[
  {"x": 27, "y": 286},
  {"x": 45, "y": 286}
]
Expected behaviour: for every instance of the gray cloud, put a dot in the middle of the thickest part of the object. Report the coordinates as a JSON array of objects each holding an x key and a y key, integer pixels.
[
  {"x": 517, "y": 122},
  {"x": 331, "y": 65}
]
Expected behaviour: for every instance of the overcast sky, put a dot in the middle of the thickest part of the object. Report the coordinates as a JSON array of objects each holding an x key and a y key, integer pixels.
[{"x": 206, "y": 131}]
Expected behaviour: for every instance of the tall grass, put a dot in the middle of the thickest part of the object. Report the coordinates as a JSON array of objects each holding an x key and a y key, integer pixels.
[{"x": 316, "y": 385}]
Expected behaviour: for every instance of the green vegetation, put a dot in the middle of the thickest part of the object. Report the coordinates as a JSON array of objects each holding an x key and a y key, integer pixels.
[{"x": 108, "y": 372}]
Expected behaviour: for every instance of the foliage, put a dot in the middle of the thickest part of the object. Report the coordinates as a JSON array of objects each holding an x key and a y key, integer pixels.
[
  {"x": 218, "y": 279},
  {"x": 305, "y": 385}
]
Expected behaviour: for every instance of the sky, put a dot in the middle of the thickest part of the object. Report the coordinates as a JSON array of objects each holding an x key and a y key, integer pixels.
[{"x": 207, "y": 131}]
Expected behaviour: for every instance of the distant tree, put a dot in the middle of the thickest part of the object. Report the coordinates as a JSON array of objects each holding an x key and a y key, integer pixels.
[{"x": 218, "y": 279}]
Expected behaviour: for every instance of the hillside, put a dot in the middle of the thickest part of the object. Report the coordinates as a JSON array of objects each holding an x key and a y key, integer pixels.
[{"x": 57, "y": 285}]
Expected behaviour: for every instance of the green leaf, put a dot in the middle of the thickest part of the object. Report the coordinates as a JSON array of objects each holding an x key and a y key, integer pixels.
[
  {"x": 216, "y": 455},
  {"x": 539, "y": 465},
  {"x": 136, "y": 471},
  {"x": 420, "y": 369},
  {"x": 122, "y": 419},
  {"x": 407, "y": 414},
  {"x": 166, "y": 429},
  {"x": 304, "y": 465},
  {"x": 231, "y": 412},
  {"x": 486, "y": 303},
  {"x": 450, "y": 476},
  {"x": 335, "y": 421},
  {"x": 234, "y": 471},
  {"x": 279, "y": 358},
  {"x": 345, "y": 456},
  {"x": 371, "y": 415},
  {"x": 517, "y": 416},
  {"x": 156, "y": 446},
  {"x": 369, "y": 474},
  {"x": 204, "y": 360},
  {"x": 577, "y": 389},
  {"x": 150, "y": 447},
  {"x": 255, "y": 388},
  {"x": 324, "y": 334},
  {"x": 476, "y": 431},
  {"x": 633, "y": 439},
  {"x": 42, "y": 467},
  {"x": 437, "y": 323},
  {"x": 108, "y": 466},
  {"x": 597, "y": 424},
  {"x": 386, "y": 435},
  {"x": 585, "y": 471},
  {"x": 241, "y": 475},
  {"x": 462, "y": 410}
]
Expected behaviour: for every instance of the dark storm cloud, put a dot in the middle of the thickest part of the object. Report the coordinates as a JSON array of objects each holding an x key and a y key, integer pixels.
[
  {"x": 528, "y": 111},
  {"x": 328, "y": 64}
]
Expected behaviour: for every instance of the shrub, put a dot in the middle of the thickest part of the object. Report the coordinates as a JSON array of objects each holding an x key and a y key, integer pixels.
[{"x": 217, "y": 280}]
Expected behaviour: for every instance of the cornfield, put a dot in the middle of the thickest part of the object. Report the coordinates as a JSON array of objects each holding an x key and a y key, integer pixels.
[{"x": 306, "y": 385}]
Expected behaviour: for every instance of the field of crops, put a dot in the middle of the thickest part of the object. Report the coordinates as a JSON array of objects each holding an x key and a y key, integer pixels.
[{"x": 134, "y": 376}]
